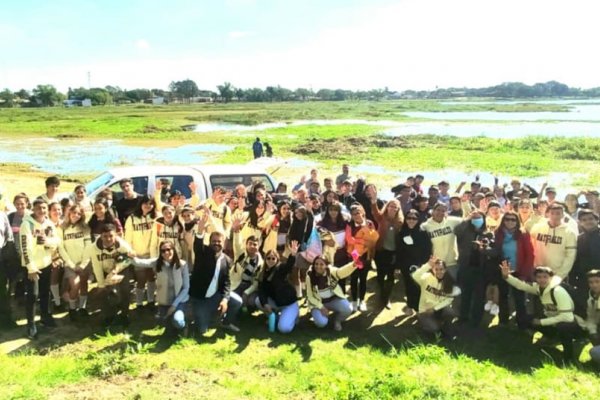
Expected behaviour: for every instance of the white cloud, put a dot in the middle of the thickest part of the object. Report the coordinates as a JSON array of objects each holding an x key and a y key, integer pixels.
[{"x": 142, "y": 44}]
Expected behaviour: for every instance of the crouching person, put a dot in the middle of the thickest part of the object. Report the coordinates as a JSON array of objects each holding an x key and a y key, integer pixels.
[
  {"x": 108, "y": 255},
  {"x": 593, "y": 314},
  {"x": 558, "y": 306},
  {"x": 210, "y": 287},
  {"x": 325, "y": 295},
  {"x": 173, "y": 285},
  {"x": 275, "y": 292},
  {"x": 438, "y": 291}
]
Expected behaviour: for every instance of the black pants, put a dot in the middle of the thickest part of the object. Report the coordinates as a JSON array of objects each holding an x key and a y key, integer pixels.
[
  {"x": 519, "y": 300},
  {"x": 412, "y": 290},
  {"x": 340, "y": 259},
  {"x": 40, "y": 290},
  {"x": 566, "y": 332},
  {"x": 472, "y": 298},
  {"x": 358, "y": 282},
  {"x": 385, "y": 260},
  {"x": 116, "y": 297},
  {"x": 5, "y": 313}
]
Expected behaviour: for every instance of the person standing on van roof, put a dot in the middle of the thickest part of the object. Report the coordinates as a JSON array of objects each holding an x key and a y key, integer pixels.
[{"x": 257, "y": 149}]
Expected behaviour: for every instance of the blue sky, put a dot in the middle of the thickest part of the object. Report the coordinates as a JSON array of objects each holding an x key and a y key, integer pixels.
[{"x": 353, "y": 44}]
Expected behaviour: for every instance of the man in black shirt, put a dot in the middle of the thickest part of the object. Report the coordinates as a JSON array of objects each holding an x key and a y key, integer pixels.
[{"x": 128, "y": 203}]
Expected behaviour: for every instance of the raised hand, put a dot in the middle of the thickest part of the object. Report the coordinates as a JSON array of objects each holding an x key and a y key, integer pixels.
[
  {"x": 505, "y": 268},
  {"x": 294, "y": 245},
  {"x": 202, "y": 221}
]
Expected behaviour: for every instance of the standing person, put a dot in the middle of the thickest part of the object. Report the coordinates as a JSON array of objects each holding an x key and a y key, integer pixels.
[
  {"x": 455, "y": 209},
  {"x": 138, "y": 233},
  {"x": 268, "y": 150},
  {"x": 389, "y": 220},
  {"x": 22, "y": 206},
  {"x": 332, "y": 229},
  {"x": 257, "y": 149},
  {"x": 188, "y": 217},
  {"x": 325, "y": 295},
  {"x": 108, "y": 255},
  {"x": 555, "y": 243},
  {"x": 558, "y": 307},
  {"x": 166, "y": 228},
  {"x": 6, "y": 243},
  {"x": 275, "y": 293},
  {"x": 55, "y": 215},
  {"x": 220, "y": 213},
  {"x": 443, "y": 195},
  {"x": 278, "y": 229},
  {"x": 403, "y": 195},
  {"x": 129, "y": 202},
  {"x": 588, "y": 251},
  {"x": 493, "y": 216},
  {"x": 245, "y": 269},
  {"x": 51, "y": 195},
  {"x": 592, "y": 322},
  {"x": 550, "y": 195},
  {"x": 344, "y": 176},
  {"x": 38, "y": 243},
  {"x": 438, "y": 291},
  {"x": 210, "y": 287},
  {"x": 514, "y": 245},
  {"x": 75, "y": 237},
  {"x": 80, "y": 198},
  {"x": 572, "y": 205},
  {"x": 301, "y": 230},
  {"x": 443, "y": 239},
  {"x": 413, "y": 250},
  {"x": 103, "y": 215},
  {"x": 527, "y": 217},
  {"x": 473, "y": 243},
  {"x": 347, "y": 197},
  {"x": 361, "y": 237},
  {"x": 173, "y": 282}
]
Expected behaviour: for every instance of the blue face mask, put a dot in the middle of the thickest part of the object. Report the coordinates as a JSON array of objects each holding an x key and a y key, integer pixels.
[{"x": 477, "y": 222}]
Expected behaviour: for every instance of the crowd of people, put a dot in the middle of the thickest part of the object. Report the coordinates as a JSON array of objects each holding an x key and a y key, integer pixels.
[{"x": 519, "y": 254}]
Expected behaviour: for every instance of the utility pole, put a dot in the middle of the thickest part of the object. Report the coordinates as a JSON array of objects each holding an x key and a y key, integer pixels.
[{"x": 89, "y": 79}]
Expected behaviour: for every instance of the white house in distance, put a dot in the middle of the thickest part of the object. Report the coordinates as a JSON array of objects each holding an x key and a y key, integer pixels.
[{"x": 77, "y": 103}]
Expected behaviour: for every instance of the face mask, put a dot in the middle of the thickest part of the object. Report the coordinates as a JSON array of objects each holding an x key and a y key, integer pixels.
[{"x": 477, "y": 222}]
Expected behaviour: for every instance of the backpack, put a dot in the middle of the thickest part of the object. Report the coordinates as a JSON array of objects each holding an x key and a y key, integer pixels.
[{"x": 580, "y": 304}]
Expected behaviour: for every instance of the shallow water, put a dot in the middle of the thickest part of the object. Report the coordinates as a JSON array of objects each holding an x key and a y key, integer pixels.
[
  {"x": 589, "y": 112},
  {"x": 88, "y": 156}
]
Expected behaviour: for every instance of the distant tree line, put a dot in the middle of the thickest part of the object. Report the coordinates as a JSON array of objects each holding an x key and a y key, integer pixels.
[{"x": 187, "y": 91}]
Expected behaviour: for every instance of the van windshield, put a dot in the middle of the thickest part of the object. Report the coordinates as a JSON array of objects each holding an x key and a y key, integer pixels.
[
  {"x": 98, "y": 182},
  {"x": 231, "y": 181}
]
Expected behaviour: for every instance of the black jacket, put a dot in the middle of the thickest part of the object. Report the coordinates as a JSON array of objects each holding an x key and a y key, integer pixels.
[
  {"x": 274, "y": 283},
  {"x": 588, "y": 257},
  {"x": 204, "y": 271},
  {"x": 417, "y": 253}
]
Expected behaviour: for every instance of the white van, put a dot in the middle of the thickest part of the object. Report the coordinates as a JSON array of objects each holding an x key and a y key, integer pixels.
[{"x": 206, "y": 178}]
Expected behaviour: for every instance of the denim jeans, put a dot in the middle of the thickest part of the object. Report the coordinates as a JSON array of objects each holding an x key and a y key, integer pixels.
[{"x": 205, "y": 310}]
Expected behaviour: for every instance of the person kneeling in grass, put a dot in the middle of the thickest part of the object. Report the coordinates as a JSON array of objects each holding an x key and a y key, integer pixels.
[
  {"x": 438, "y": 291},
  {"x": 558, "y": 306},
  {"x": 173, "y": 283},
  {"x": 275, "y": 292},
  {"x": 593, "y": 313},
  {"x": 325, "y": 295}
]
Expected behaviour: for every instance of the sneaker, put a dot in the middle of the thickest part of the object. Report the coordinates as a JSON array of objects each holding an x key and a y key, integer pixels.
[
  {"x": 354, "y": 307},
  {"x": 337, "y": 326},
  {"x": 73, "y": 316},
  {"x": 32, "y": 332},
  {"x": 409, "y": 312},
  {"x": 48, "y": 321},
  {"x": 488, "y": 305},
  {"x": 495, "y": 310},
  {"x": 230, "y": 327},
  {"x": 388, "y": 306},
  {"x": 362, "y": 306}
]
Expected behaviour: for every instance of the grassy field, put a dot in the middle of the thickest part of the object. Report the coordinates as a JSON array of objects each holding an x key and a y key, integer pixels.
[{"x": 379, "y": 355}]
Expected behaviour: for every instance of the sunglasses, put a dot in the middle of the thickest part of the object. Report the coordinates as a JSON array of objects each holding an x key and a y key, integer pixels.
[
  {"x": 412, "y": 219},
  {"x": 168, "y": 249},
  {"x": 510, "y": 220},
  {"x": 271, "y": 258}
]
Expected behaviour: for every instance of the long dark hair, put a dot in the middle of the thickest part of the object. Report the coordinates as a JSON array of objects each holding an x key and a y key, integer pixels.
[
  {"x": 138, "y": 208},
  {"x": 160, "y": 262},
  {"x": 109, "y": 217},
  {"x": 253, "y": 216},
  {"x": 301, "y": 229},
  {"x": 447, "y": 281},
  {"x": 331, "y": 225}
]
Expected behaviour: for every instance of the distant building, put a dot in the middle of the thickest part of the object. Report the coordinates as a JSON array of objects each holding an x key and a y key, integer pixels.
[
  {"x": 77, "y": 103},
  {"x": 156, "y": 100}
]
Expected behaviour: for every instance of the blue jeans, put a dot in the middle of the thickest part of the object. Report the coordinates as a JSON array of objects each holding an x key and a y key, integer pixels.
[
  {"x": 175, "y": 320},
  {"x": 205, "y": 310},
  {"x": 287, "y": 315}
]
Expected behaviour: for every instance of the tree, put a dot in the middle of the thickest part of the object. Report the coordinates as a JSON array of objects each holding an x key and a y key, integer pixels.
[
  {"x": 303, "y": 94},
  {"x": 325, "y": 94},
  {"x": 7, "y": 98},
  {"x": 226, "y": 91},
  {"x": 184, "y": 90},
  {"x": 47, "y": 95},
  {"x": 239, "y": 93}
]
